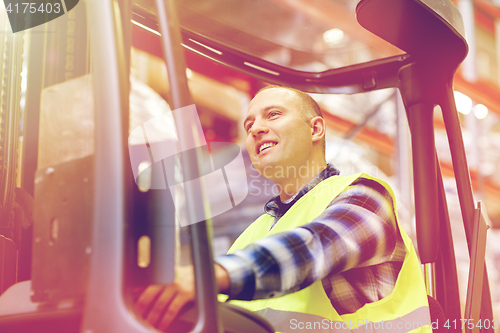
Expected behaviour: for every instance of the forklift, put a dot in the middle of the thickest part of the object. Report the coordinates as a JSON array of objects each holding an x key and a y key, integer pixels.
[{"x": 71, "y": 206}]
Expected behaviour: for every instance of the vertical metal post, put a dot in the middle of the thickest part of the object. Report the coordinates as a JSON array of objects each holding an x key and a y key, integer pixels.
[
  {"x": 477, "y": 262},
  {"x": 420, "y": 117},
  {"x": 464, "y": 186},
  {"x": 32, "y": 120},
  {"x": 9, "y": 119},
  {"x": 417, "y": 93},
  {"x": 206, "y": 288},
  {"x": 404, "y": 169},
  {"x": 446, "y": 288},
  {"x": 105, "y": 309},
  {"x": 420, "y": 91}
]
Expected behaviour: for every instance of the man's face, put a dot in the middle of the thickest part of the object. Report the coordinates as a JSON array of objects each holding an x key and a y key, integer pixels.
[{"x": 279, "y": 136}]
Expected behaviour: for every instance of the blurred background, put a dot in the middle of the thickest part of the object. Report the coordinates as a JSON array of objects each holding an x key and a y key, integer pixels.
[{"x": 366, "y": 132}]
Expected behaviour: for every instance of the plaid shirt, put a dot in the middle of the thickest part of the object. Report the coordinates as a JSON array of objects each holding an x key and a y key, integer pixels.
[{"x": 354, "y": 248}]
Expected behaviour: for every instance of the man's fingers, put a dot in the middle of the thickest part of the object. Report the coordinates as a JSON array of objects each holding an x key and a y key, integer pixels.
[
  {"x": 147, "y": 298},
  {"x": 172, "y": 311},
  {"x": 137, "y": 292},
  {"x": 161, "y": 303}
]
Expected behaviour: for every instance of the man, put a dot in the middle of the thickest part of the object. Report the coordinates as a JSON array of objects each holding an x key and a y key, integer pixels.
[{"x": 328, "y": 251}]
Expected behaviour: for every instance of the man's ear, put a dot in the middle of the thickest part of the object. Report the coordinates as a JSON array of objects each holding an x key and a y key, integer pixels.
[{"x": 318, "y": 128}]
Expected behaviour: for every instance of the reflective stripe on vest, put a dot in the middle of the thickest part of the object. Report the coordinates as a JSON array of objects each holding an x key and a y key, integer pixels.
[{"x": 408, "y": 299}]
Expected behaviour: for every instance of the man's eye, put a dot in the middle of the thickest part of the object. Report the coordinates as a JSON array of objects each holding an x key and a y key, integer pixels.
[
  {"x": 272, "y": 114},
  {"x": 249, "y": 126}
]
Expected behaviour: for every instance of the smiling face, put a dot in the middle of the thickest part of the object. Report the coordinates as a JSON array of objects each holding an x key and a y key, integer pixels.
[{"x": 279, "y": 134}]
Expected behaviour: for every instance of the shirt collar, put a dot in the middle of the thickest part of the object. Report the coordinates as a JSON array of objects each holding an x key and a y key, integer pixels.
[{"x": 277, "y": 208}]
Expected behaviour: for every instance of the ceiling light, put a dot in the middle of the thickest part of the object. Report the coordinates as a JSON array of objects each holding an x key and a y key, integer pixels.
[
  {"x": 464, "y": 103},
  {"x": 480, "y": 111},
  {"x": 333, "y": 36}
]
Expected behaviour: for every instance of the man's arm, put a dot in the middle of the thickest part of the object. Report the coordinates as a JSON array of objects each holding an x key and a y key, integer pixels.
[{"x": 357, "y": 229}]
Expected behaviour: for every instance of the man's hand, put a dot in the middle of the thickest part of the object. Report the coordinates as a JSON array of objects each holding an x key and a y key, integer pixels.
[{"x": 160, "y": 304}]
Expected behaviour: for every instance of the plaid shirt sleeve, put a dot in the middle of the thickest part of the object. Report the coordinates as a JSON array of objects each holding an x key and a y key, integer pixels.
[{"x": 357, "y": 229}]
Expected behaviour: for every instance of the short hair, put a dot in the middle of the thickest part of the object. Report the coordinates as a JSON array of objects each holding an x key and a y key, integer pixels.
[{"x": 307, "y": 103}]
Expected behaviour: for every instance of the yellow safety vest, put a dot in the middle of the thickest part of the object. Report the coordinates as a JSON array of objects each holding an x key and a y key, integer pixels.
[{"x": 309, "y": 310}]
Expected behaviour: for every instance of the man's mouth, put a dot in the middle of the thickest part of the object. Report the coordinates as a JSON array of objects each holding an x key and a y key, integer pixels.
[{"x": 265, "y": 146}]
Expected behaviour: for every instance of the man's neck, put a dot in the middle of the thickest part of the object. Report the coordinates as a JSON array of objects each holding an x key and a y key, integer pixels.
[{"x": 289, "y": 186}]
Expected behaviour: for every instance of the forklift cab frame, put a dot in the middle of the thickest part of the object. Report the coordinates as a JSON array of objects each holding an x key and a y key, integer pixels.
[{"x": 431, "y": 34}]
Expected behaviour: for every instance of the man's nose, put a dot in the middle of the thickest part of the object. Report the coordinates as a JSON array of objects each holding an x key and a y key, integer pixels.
[{"x": 258, "y": 127}]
